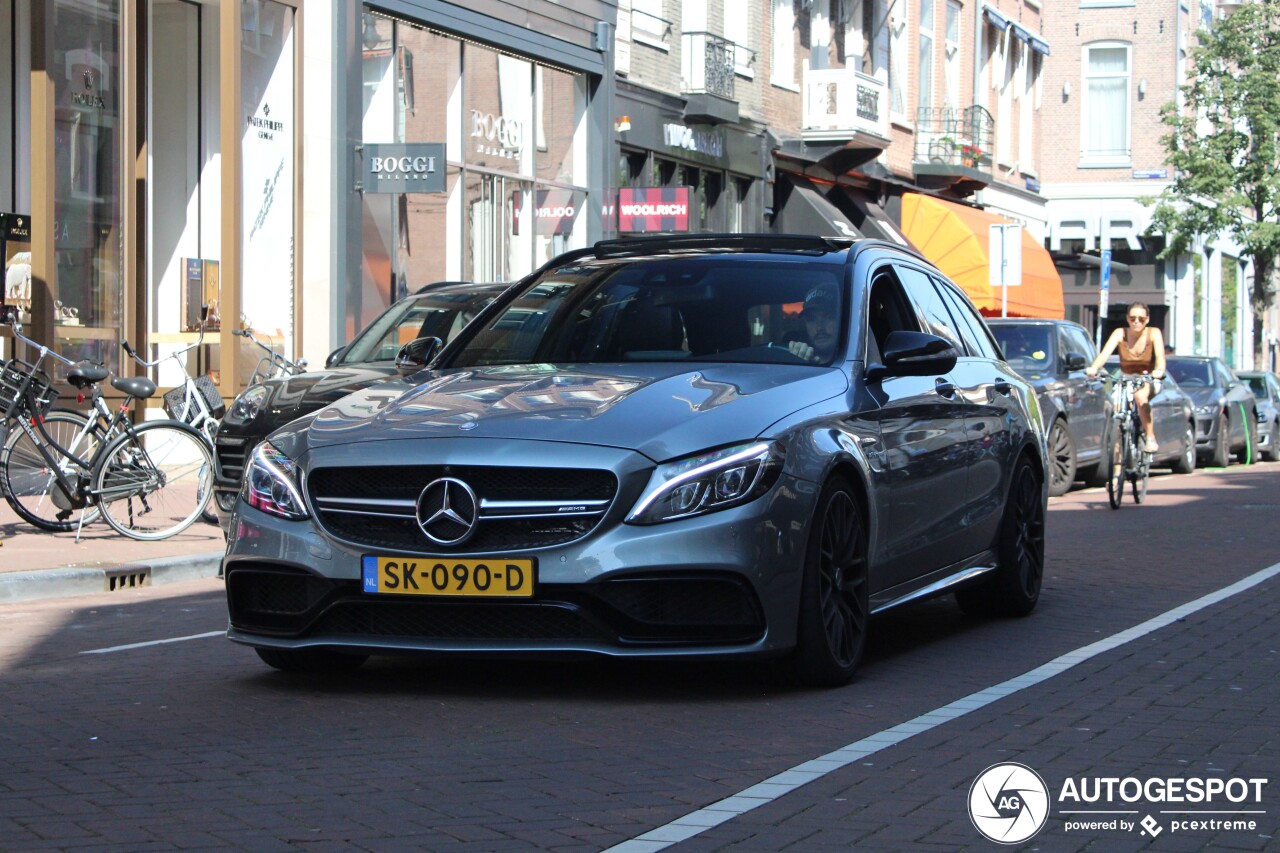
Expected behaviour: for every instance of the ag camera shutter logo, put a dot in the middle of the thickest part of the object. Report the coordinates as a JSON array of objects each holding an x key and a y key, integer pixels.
[{"x": 1008, "y": 803}]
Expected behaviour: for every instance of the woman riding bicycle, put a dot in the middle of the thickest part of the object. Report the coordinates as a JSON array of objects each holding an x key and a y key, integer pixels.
[{"x": 1141, "y": 352}]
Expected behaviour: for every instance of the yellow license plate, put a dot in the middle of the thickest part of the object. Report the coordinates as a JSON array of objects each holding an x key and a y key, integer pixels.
[{"x": 487, "y": 576}]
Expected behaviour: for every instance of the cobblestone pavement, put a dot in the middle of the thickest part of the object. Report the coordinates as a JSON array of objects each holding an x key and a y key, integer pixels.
[{"x": 195, "y": 744}]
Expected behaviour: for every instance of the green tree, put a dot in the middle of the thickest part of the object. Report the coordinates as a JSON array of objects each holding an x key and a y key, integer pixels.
[{"x": 1224, "y": 149}]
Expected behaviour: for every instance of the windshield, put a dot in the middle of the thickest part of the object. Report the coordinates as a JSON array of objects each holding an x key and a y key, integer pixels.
[
  {"x": 1189, "y": 373},
  {"x": 708, "y": 308},
  {"x": 1257, "y": 384},
  {"x": 440, "y": 315},
  {"x": 1027, "y": 348}
]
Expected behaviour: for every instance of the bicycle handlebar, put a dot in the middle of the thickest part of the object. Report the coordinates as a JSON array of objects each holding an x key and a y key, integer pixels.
[
  {"x": 278, "y": 358},
  {"x": 134, "y": 355},
  {"x": 16, "y": 326}
]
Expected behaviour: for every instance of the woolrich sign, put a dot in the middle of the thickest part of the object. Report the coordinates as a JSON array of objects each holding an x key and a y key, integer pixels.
[
  {"x": 410, "y": 167},
  {"x": 642, "y": 210}
]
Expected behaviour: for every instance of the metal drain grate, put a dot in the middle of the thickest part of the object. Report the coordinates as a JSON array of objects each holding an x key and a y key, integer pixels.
[{"x": 118, "y": 579}]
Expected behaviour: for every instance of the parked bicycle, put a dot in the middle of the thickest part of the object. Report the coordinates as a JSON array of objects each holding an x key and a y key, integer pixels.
[
  {"x": 272, "y": 364},
  {"x": 196, "y": 402},
  {"x": 148, "y": 481},
  {"x": 1127, "y": 454}
]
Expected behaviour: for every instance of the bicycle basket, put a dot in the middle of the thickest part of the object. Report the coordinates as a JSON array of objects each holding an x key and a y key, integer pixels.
[
  {"x": 12, "y": 376},
  {"x": 175, "y": 400},
  {"x": 212, "y": 398}
]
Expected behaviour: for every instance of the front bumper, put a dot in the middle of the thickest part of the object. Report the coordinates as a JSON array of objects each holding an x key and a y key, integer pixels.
[{"x": 725, "y": 584}]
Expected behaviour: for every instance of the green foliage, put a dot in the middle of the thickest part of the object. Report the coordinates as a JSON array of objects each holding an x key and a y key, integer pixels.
[{"x": 1224, "y": 146}]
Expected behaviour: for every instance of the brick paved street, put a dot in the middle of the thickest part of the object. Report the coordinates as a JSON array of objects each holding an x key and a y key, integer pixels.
[{"x": 197, "y": 744}]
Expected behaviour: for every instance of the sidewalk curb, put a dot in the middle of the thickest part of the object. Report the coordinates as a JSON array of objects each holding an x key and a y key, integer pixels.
[{"x": 63, "y": 583}]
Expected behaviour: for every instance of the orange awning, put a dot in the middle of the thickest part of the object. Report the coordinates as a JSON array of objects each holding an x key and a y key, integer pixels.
[{"x": 955, "y": 238}]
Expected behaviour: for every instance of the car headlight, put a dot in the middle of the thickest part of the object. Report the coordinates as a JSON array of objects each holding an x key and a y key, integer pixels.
[
  {"x": 709, "y": 482},
  {"x": 271, "y": 483},
  {"x": 248, "y": 405}
]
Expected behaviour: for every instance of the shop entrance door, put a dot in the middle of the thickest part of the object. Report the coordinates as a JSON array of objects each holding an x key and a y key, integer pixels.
[{"x": 499, "y": 227}]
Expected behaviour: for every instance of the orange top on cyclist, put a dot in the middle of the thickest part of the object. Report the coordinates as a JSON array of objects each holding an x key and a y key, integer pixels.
[{"x": 1141, "y": 350}]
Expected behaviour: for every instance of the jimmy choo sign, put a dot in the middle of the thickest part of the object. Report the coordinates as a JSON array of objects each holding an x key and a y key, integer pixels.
[{"x": 410, "y": 167}]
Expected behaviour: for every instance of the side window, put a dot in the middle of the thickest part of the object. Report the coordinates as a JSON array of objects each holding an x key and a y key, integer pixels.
[
  {"x": 971, "y": 325},
  {"x": 887, "y": 311},
  {"x": 932, "y": 308},
  {"x": 1081, "y": 342},
  {"x": 1224, "y": 375}
]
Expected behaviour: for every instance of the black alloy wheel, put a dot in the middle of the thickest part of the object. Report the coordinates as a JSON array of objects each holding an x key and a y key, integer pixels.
[
  {"x": 1222, "y": 447},
  {"x": 834, "y": 602},
  {"x": 1185, "y": 463},
  {"x": 1062, "y": 459},
  {"x": 1115, "y": 465},
  {"x": 1014, "y": 588}
]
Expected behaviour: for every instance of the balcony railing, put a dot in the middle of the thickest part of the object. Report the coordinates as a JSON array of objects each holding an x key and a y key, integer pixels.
[
  {"x": 707, "y": 64},
  {"x": 841, "y": 102},
  {"x": 954, "y": 136}
]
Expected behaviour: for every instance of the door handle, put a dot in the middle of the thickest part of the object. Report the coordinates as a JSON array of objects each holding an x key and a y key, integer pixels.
[
  {"x": 944, "y": 387},
  {"x": 1002, "y": 386}
]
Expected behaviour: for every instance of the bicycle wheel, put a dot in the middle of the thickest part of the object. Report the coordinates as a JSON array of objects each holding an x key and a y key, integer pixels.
[
  {"x": 1116, "y": 464},
  {"x": 28, "y": 481},
  {"x": 154, "y": 481},
  {"x": 1141, "y": 470}
]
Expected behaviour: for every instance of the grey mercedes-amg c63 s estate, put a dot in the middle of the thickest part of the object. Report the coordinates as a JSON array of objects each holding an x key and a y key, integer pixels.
[{"x": 704, "y": 445}]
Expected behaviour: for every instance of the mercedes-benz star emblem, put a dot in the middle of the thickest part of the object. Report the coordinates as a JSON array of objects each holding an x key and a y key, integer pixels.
[{"x": 447, "y": 511}]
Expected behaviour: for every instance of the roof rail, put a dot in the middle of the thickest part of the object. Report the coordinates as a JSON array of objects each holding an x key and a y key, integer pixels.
[{"x": 668, "y": 243}]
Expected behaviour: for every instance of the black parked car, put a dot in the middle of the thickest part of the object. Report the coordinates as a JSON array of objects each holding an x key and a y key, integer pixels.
[
  {"x": 717, "y": 446},
  {"x": 1265, "y": 386},
  {"x": 438, "y": 310},
  {"x": 1226, "y": 410},
  {"x": 1052, "y": 356}
]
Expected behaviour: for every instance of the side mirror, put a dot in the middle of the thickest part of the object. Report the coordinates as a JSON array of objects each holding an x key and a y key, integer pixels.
[
  {"x": 914, "y": 354},
  {"x": 416, "y": 354},
  {"x": 1074, "y": 361},
  {"x": 334, "y": 356}
]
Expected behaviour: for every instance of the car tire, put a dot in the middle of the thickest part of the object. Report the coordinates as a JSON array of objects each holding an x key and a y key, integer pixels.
[
  {"x": 1222, "y": 448},
  {"x": 310, "y": 660},
  {"x": 834, "y": 604},
  {"x": 1014, "y": 587},
  {"x": 1272, "y": 453},
  {"x": 1185, "y": 462},
  {"x": 1062, "y": 459}
]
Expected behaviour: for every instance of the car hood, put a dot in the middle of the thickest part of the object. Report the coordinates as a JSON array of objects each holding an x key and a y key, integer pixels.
[
  {"x": 1204, "y": 396},
  {"x": 662, "y": 410},
  {"x": 294, "y": 396}
]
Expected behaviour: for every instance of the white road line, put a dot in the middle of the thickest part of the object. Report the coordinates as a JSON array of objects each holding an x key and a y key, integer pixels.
[
  {"x": 695, "y": 823},
  {"x": 154, "y": 643}
]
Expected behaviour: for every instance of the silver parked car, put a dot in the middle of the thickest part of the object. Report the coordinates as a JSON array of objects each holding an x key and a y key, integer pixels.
[
  {"x": 1266, "y": 388},
  {"x": 704, "y": 445}
]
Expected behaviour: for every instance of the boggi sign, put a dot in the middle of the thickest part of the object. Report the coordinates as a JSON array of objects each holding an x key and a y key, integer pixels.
[
  {"x": 410, "y": 167},
  {"x": 498, "y": 136}
]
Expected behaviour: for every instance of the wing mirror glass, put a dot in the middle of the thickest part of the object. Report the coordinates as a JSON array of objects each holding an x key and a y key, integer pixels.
[{"x": 416, "y": 354}]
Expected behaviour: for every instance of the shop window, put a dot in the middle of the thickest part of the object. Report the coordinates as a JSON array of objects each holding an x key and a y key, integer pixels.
[{"x": 89, "y": 295}]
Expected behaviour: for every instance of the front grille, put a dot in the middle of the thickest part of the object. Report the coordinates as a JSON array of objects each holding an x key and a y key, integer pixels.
[
  {"x": 639, "y": 611},
  {"x": 344, "y": 501}
]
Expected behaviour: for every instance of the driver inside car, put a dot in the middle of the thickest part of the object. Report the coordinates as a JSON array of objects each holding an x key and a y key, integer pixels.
[{"x": 821, "y": 315}]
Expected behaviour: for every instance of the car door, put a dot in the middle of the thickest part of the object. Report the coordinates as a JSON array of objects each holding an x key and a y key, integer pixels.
[
  {"x": 923, "y": 448},
  {"x": 994, "y": 414},
  {"x": 1088, "y": 395}
]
